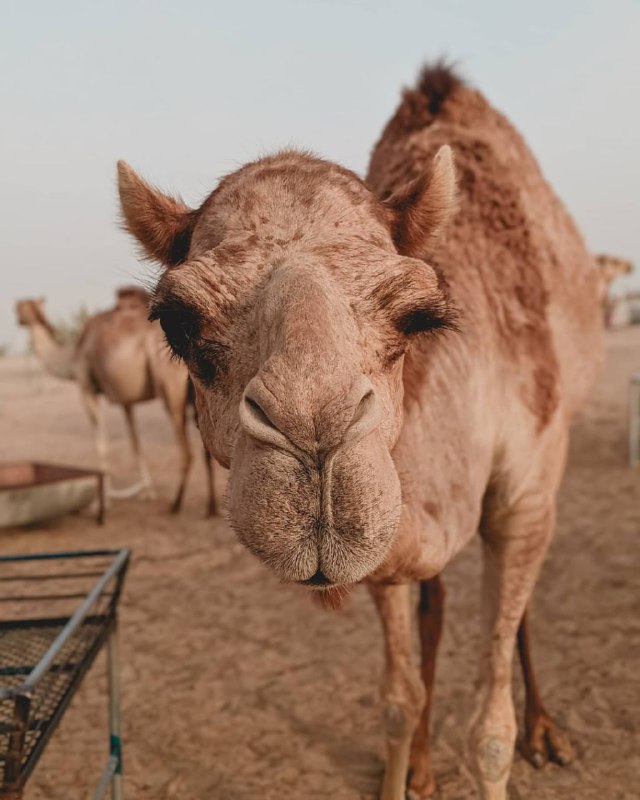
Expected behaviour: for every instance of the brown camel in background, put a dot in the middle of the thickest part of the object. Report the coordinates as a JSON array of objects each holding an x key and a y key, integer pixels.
[
  {"x": 56, "y": 357},
  {"x": 389, "y": 369},
  {"x": 122, "y": 356},
  {"x": 611, "y": 267}
]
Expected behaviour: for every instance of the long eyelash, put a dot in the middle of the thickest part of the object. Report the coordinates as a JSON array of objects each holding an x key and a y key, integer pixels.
[
  {"x": 180, "y": 327},
  {"x": 211, "y": 358},
  {"x": 431, "y": 319}
]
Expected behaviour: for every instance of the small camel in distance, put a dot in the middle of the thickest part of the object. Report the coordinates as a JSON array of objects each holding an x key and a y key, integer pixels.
[
  {"x": 122, "y": 357},
  {"x": 389, "y": 369}
]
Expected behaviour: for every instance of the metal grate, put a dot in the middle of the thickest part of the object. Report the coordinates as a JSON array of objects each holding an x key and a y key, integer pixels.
[{"x": 43, "y": 659}]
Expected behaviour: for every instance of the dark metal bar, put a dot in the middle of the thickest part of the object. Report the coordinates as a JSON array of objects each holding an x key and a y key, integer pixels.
[
  {"x": 57, "y": 576},
  {"x": 62, "y": 554},
  {"x": 48, "y": 622},
  {"x": 26, "y": 598},
  {"x": 28, "y": 669},
  {"x": 17, "y": 737}
]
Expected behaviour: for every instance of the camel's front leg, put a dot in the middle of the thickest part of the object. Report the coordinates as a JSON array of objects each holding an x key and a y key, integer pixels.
[
  {"x": 175, "y": 401},
  {"x": 212, "y": 508},
  {"x": 402, "y": 690},
  {"x": 145, "y": 487},
  {"x": 430, "y": 616},
  {"x": 514, "y": 547}
]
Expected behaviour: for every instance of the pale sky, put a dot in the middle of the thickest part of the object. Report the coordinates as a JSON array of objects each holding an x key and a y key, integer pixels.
[{"x": 188, "y": 91}]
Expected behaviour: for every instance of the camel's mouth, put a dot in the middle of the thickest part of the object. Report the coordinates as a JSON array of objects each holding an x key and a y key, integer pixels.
[{"x": 319, "y": 580}]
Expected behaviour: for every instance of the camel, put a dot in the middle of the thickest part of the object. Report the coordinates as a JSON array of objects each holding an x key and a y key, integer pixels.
[
  {"x": 389, "y": 368},
  {"x": 122, "y": 356},
  {"x": 57, "y": 358},
  {"x": 611, "y": 268}
]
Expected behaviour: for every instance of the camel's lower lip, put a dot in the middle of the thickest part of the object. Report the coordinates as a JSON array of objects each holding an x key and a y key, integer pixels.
[{"x": 319, "y": 579}]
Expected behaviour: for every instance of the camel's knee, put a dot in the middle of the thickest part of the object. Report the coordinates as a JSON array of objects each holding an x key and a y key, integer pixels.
[
  {"x": 492, "y": 745},
  {"x": 492, "y": 757},
  {"x": 402, "y": 707}
]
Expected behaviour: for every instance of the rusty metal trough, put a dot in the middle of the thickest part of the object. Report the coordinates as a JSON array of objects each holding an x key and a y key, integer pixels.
[{"x": 32, "y": 491}]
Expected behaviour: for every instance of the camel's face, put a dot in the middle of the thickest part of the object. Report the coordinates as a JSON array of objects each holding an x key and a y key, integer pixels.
[
  {"x": 292, "y": 312},
  {"x": 299, "y": 391}
]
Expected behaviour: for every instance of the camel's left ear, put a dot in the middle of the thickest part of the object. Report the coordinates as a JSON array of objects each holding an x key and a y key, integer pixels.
[
  {"x": 423, "y": 207},
  {"x": 162, "y": 224}
]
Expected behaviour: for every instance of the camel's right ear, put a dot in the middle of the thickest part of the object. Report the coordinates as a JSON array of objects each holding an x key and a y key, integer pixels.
[
  {"x": 162, "y": 224},
  {"x": 423, "y": 207}
]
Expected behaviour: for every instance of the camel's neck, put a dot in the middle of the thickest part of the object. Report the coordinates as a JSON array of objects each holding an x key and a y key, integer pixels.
[{"x": 56, "y": 358}]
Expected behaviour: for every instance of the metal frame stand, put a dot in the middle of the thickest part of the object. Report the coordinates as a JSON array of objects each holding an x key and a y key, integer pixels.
[
  {"x": 115, "y": 742},
  {"x": 112, "y": 773},
  {"x": 81, "y": 636}
]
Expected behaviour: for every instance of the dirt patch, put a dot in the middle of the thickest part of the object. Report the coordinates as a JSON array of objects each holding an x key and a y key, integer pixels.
[{"x": 235, "y": 687}]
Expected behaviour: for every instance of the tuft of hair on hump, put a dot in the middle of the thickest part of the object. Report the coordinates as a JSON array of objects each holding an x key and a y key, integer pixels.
[
  {"x": 437, "y": 82},
  {"x": 132, "y": 298},
  {"x": 134, "y": 292},
  {"x": 421, "y": 104}
]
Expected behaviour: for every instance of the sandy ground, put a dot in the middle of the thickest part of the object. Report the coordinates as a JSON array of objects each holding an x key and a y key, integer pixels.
[{"x": 236, "y": 688}]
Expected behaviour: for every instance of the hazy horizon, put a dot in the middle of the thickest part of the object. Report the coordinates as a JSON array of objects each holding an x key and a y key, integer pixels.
[{"x": 186, "y": 94}]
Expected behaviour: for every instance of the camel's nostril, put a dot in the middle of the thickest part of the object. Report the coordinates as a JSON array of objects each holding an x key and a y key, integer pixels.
[
  {"x": 258, "y": 412},
  {"x": 257, "y": 423},
  {"x": 363, "y": 405},
  {"x": 365, "y": 418}
]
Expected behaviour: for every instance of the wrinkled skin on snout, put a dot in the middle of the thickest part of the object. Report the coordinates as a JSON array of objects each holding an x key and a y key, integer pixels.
[
  {"x": 288, "y": 299},
  {"x": 313, "y": 489}
]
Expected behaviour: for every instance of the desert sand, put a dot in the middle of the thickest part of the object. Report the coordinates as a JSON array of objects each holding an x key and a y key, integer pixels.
[{"x": 236, "y": 687}]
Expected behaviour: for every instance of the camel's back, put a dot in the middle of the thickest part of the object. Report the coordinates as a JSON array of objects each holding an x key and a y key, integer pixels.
[
  {"x": 515, "y": 262},
  {"x": 124, "y": 356}
]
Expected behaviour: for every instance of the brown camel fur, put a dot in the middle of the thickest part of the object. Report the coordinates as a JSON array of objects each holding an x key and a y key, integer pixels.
[
  {"x": 122, "y": 356},
  {"x": 388, "y": 369}
]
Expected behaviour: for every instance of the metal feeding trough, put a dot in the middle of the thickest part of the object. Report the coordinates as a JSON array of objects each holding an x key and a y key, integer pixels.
[
  {"x": 31, "y": 491},
  {"x": 57, "y": 610}
]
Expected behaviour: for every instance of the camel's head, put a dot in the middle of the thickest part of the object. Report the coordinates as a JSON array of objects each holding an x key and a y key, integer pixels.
[
  {"x": 30, "y": 311},
  {"x": 291, "y": 295},
  {"x": 612, "y": 267}
]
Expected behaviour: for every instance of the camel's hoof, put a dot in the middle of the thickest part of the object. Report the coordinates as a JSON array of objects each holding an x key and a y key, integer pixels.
[
  {"x": 545, "y": 741},
  {"x": 421, "y": 785},
  {"x": 423, "y": 792},
  {"x": 147, "y": 490}
]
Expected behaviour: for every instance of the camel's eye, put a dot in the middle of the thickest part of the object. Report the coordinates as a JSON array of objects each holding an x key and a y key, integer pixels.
[
  {"x": 208, "y": 359},
  {"x": 180, "y": 328},
  {"x": 425, "y": 320}
]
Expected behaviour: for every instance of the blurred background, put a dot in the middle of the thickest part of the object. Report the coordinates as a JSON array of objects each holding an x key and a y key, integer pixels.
[{"x": 187, "y": 92}]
